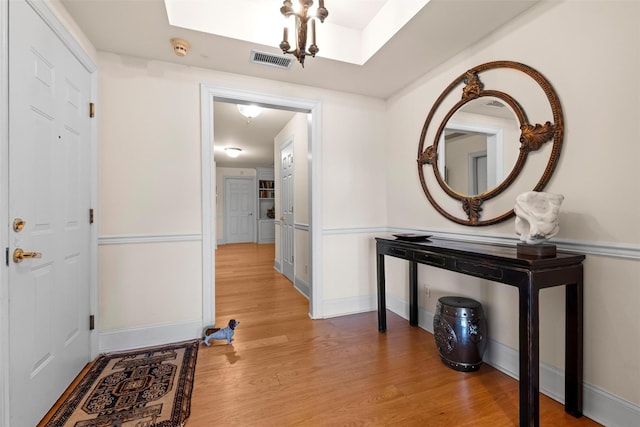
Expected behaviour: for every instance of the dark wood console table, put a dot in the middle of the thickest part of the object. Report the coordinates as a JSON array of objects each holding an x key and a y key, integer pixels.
[{"x": 501, "y": 264}]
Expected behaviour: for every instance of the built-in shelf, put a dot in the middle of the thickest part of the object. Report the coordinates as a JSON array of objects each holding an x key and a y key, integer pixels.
[{"x": 266, "y": 205}]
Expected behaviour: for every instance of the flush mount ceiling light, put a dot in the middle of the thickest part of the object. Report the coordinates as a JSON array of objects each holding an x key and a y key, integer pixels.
[
  {"x": 302, "y": 19},
  {"x": 232, "y": 152},
  {"x": 249, "y": 111}
]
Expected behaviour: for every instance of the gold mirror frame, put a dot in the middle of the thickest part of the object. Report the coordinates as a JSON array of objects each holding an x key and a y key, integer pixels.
[{"x": 532, "y": 137}]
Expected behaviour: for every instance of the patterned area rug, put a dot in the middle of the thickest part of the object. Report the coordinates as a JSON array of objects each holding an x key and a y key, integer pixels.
[{"x": 148, "y": 387}]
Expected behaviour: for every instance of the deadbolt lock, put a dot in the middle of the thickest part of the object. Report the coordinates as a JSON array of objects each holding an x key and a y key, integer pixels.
[{"x": 18, "y": 224}]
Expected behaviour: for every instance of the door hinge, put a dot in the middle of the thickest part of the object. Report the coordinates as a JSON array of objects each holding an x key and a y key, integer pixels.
[
  {"x": 91, "y": 216},
  {"x": 6, "y": 257},
  {"x": 92, "y": 109},
  {"x": 92, "y": 322}
]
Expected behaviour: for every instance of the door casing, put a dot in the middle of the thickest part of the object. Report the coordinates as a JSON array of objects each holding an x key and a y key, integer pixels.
[{"x": 210, "y": 94}]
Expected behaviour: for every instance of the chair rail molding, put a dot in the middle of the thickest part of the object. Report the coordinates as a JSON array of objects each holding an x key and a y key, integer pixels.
[
  {"x": 610, "y": 249},
  {"x": 126, "y": 239}
]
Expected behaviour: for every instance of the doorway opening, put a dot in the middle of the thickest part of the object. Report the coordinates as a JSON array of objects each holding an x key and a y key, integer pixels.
[{"x": 312, "y": 109}]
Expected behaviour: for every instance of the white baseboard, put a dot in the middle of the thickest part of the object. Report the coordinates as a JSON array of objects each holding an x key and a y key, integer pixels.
[
  {"x": 608, "y": 409},
  {"x": 125, "y": 339},
  {"x": 302, "y": 287},
  {"x": 345, "y": 306},
  {"x": 598, "y": 404}
]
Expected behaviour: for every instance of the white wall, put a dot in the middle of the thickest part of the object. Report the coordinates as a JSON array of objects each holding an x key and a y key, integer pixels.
[
  {"x": 354, "y": 203},
  {"x": 149, "y": 199},
  {"x": 457, "y": 153},
  {"x": 149, "y": 184},
  {"x": 588, "y": 51}
]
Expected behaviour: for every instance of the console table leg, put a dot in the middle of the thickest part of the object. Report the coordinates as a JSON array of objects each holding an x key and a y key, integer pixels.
[
  {"x": 573, "y": 349},
  {"x": 529, "y": 357},
  {"x": 382, "y": 309},
  {"x": 413, "y": 293}
]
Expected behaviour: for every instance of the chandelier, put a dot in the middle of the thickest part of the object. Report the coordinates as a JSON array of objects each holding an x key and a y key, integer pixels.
[{"x": 302, "y": 19}]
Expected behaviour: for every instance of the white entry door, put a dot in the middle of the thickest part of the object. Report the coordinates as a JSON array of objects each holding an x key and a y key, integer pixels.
[
  {"x": 286, "y": 207},
  {"x": 49, "y": 196},
  {"x": 239, "y": 202}
]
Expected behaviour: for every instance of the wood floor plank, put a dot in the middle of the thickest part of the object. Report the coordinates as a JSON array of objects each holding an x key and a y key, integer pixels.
[{"x": 285, "y": 369}]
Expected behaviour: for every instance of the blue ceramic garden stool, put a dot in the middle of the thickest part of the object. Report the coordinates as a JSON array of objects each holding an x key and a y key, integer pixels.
[{"x": 460, "y": 331}]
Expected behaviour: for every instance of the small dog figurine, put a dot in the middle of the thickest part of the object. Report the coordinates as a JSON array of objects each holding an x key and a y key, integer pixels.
[{"x": 211, "y": 333}]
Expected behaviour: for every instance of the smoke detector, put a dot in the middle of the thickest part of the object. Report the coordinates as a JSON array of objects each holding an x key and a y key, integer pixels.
[{"x": 180, "y": 47}]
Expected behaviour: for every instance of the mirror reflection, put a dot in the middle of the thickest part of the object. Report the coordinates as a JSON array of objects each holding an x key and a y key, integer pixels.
[{"x": 472, "y": 152}]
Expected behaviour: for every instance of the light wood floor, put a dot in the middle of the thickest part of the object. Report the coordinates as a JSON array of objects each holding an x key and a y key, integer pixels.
[{"x": 284, "y": 369}]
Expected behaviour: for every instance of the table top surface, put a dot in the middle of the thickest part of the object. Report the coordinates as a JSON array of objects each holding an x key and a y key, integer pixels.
[{"x": 502, "y": 253}]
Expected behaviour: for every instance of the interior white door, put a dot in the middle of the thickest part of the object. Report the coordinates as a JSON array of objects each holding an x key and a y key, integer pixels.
[
  {"x": 478, "y": 177},
  {"x": 286, "y": 207},
  {"x": 49, "y": 197},
  {"x": 240, "y": 221}
]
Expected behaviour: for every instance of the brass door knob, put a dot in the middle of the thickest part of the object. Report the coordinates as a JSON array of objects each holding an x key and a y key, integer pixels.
[{"x": 19, "y": 255}]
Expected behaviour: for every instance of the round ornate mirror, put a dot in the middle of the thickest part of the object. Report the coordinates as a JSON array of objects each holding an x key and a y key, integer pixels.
[{"x": 478, "y": 142}]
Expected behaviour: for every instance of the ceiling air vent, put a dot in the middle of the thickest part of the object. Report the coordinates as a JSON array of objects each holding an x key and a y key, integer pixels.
[
  {"x": 495, "y": 103},
  {"x": 270, "y": 59}
]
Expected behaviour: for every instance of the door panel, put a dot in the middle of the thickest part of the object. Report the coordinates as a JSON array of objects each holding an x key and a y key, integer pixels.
[
  {"x": 239, "y": 207},
  {"x": 286, "y": 206},
  {"x": 49, "y": 187}
]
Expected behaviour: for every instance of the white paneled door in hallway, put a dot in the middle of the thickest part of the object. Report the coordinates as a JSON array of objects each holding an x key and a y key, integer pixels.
[
  {"x": 239, "y": 202},
  {"x": 49, "y": 230},
  {"x": 286, "y": 208}
]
